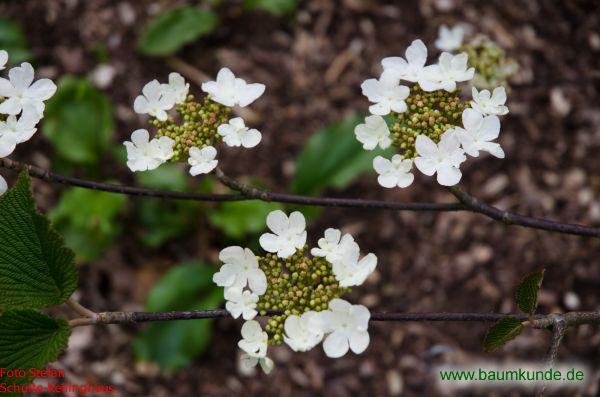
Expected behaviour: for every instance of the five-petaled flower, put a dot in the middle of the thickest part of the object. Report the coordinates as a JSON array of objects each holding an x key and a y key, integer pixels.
[
  {"x": 411, "y": 68},
  {"x": 202, "y": 160},
  {"x": 373, "y": 132},
  {"x": 394, "y": 172},
  {"x": 240, "y": 268},
  {"x": 449, "y": 70},
  {"x": 347, "y": 326},
  {"x": 241, "y": 303},
  {"x": 488, "y": 103},
  {"x": 235, "y": 133},
  {"x": 254, "y": 344},
  {"x": 155, "y": 100},
  {"x": 177, "y": 88},
  {"x": 304, "y": 332},
  {"x": 386, "y": 94},
  {"x": 21, "y": 92},
  {"x": 444, "y": 158},
  {"x": 333, "y": 245},
  {"x": 144, "y": 154},
  {"x": 289, "y": 233},
  {"x": 450, "y": 39},
  {"x": 478, "y": 132},
  {"x": 229, "y": 90},
  {"x": 350, "y": 271}
]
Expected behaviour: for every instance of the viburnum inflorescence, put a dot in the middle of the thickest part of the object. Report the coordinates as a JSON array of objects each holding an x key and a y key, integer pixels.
[
  {"x": 430, "y": 125},
  {"x": 304, "y": 290},
  {"x": 21, "y": 106},
  {"x": 199, "y": 125}
]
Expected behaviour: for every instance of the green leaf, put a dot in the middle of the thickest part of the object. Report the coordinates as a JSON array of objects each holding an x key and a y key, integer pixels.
[
  {"x": 87, "y": 220},
  {"x": 79, "y": 121},
  {"x": 238, "y": 219},
  {"x": 332, "y": 157},
  {"x": 162, "y": 221},
  {"x": 173, "y": 29},
  {"x": 174, "y": 344},
  {"x": 167, "y": 176},
  {"x": 13, "y": 41},
  {"x": 502, "y": 332},
  {"x": 527, "y": 291},
  {"x": 36, "y": 269},
  {"x": 275, "y": 7},
  {"x": 30, "y": 339}
]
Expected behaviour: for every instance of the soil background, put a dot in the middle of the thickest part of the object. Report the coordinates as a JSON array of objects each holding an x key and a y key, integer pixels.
[{"x": 313, "y": 64}]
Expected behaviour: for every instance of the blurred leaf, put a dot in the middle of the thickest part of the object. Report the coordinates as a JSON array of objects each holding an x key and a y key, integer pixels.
[
  {"x": 174, "y": 344},
  {"x": 527, "y": 291},
  {"x": 502, "y": 332},
  {"x": 79, "y": 121},
  {"x": 173, "y": 29},
  {"x": 31, "y": 339},
  {"x": 276, "y": 7},
  {"x": 238, "y": 219},
  {"x": 333, "y": 157},
  {"x": 36, "y": 269},
  {"x": 13, "y": 41},
  {"x": 168, "y": 176},
  {"x": 86, "y": 218}
]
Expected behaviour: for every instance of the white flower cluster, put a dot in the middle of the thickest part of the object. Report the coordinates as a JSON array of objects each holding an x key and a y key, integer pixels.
[
  {"x": 23, "y": 105},
  {"x": 481, "y": 124},
  {"x": 158, "y": 99},
  {"x": 342, "y": 327}
]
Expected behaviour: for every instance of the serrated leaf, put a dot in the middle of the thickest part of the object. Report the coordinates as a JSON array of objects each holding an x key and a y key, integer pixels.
[
  {"x": 527, "y": 291},
  {"x": 173, "y": 29},
  {"x": 36, "y": 269},
  {"x": 332, "y": 157},
  {"x": 30, "y": 339},
  {"x": 174, "y": 344},
  {"x": 78, "y": 121},
  {"x": 275, "y": 7},
  {"x": 501, "y": 332}
]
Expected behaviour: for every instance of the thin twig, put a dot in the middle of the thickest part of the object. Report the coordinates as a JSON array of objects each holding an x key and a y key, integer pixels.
[
  {"x": 559, "y": 327},
  {"x": 466, "y": 202}
]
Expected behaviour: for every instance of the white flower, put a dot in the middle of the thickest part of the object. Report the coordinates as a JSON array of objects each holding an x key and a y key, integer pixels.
[
  {"x": 302, "y": 333},
  {"x": 477, "y": 133},
  {"x": 3, "y": 59},
  {"x": 202, "y": 160},
  {"x": 393, "y": 173},
  {"x": 229, "y": 90},
  {"x": 348, "y": 325},
  {"x": 450, "y": 39},
  {"x": 235, "y": 133},
  {"x": 177, "y": 88},
  {"x": 14, "y": 131},
  {"x": 411, "y": 68},
  {"x": 443, "y": 158},
  {"x": 241, "y": 303},
  {"x": 155, "y": 100},
  {"x": 373, "y": 132},
  {"x": 289, "y": 233},
  {"x": 449, "y": 70},
  {"x": 386, "y": 94},
  {"x": 254, "y": 343},
  {"x": 333, "y": 245},
  {"x": 487, "y": 104},
  {"x": 3, "y": 185},
  {"x": 21, "y": 93},
  {"x": 240, "y": 268},
  {"x": 349, "y": 271},
  {"x": 145, "y": 154}
]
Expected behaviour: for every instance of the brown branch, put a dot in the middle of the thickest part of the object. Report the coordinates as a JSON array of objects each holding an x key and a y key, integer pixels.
[{"x": 466, "y": 202}]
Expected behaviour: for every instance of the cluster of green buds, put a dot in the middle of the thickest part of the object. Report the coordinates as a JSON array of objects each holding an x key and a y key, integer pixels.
[
  {"x": 196, "y": 125},
  {"x": 492, "y": 66},
  {"x": 428, "y": 113},
  {"x": 295, "y": 285}
]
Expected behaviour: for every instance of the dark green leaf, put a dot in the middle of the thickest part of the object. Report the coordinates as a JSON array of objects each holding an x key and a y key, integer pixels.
[
  {"x": 276, "y": 7},
  {"x": 79, "y": 121},
  {"x": 30, "y": 339},
  {"x": 332, "y": 157},
  {"x": 13, "y": 41},
  {"x": 87, "y": 220},
  {"x": 239, "y": 218},
  {"x": 174, "y": 344},
  {"x": 503, "y": 331},
  {"x": 173, "y": 29},
  {"x": 36, "y": 269},
  {"x": 527, "y": 291}
]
